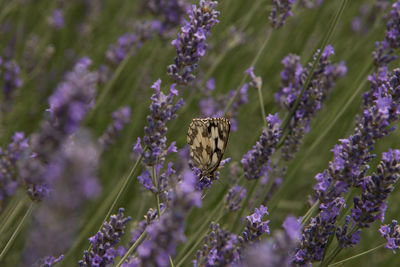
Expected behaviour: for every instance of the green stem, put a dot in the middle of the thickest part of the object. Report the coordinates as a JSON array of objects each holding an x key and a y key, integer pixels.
[
  {"x": 253, "y": 62},
  {"x": 310, "y": 213},
  {"x": 337, "y": 250},
  {"x": 16, "y": 232},
  {"x": 9, "y": 214},
  {"x": 131, "y": 249},
  {"x": 120, "y": 191},
  {"x": 108, "y": 86},
  {"x": 342, "y": 110},
  {"x": 261, "y": 99},
  {"x": 356, "y": 256},
  {"x": 115, "y": 195},
  {"x": 198, "y": 240},
  {"x": 171, "y": 262},
  {"x": 154, "y": 176},
  {"x": 246, "y": 201}
]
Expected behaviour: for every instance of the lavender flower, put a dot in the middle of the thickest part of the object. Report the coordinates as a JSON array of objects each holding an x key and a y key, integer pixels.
[
  {"x": 162, "y": 110},
  {"x": 129, "y": 43},
  {"x": 375, "y": 190},
  {"x": 49, "y": 261},
  {"x": 347, "y": 237},
  {"x": 276, "y": 251},
  {"x": 348, "y": 168},
  {"x": 383, "y": 53},
  {"x": 256, "y": 161},
  {"x": 72, "y": 173},
  {"x": 68, "y": 106},
  {"x": 171, "y": 12},
  {"x": 165, "y": 234},
  {"x": 293, "y": 78},
  {"x": 8, "y": 165},
  {"x": 311, "y": 3},
  {"x": 34, "y": 57},
  {"x": 368, "y": 14},
  {"x": 392, "y": 235},
  {"x": 211, "y": 107},
  {"x": 205, "y": 181},
  {"x": 281, "y": 10},
  {"x": 149, "y": 218},
  {"x": 191, "y": 42},
  {"x": 255, "y": 226},
  {"x": 120, "y": 117},
  {"x": 351, "y": 156},
  {"x": 11, "y": 80},
  {"x": 256, "y": 81},
  {"x": 105, "y": 242},
  {"x": 233, "y": 198},
  {"x": 316, "y": 234},
  {"x": 56, "y": 20},
  {"x": 220, "y": 248}
]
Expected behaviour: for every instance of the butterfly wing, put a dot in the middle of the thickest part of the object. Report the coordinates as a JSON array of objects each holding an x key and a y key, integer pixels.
[{"x": 207, "y": 139}]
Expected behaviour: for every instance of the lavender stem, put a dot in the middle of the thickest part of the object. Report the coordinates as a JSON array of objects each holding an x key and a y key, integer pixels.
[
  {"x": 261, "y": 99},
  {"x": 85, "y": 231},
  {"x": 16, "y": 232},
  {"x": 200, "y": 231},
  {"x": 154, "y": 176},
  {"x": 104, "y": 92},
  {"x": 253, "y": 63},
  {"x": 10, "y": 216},
  {"x": 356, "y": 256}
]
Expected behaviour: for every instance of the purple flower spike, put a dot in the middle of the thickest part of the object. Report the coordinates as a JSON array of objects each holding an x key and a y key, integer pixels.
[
  {"x": 376, "y": 188},
  {"x": 256, "y": 161},
  {"x": 384, "y": 50},
  {"x": 9, "y": 77},
  {"x": 293, "y": 77},
  {"x": 220, "y": 248},
  {"x": 165, "y": 234},
  {"x": 214, "y": 107},
  {"x": 128, "y": 43},
  {"x": 392, "y": 235},
  {"x": 72, "y": 176},
  {"x": 234, "y": 197},
  {"x": 104, "y": 243},
  {"x": 275, "y": 251},
  {"x": 162, "y": 110},
  {"x": 69, "y": 104},
  {"x": 171, "y": 12},
  {"x": 255, "y": 226},
  {"x": 49, "y": 261},
  {"x": 56, "y": 20},
  {"x": 256, "y": 81},
  {"x": 121, "y": 117},
  {"x": 281, "y": 10},
  {"x": 8, "y": 165},
  {"x": 191, "y": 44}
]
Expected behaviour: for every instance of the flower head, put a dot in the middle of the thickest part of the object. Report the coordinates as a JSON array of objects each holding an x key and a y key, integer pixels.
[
  {"x": 391, "y": 232},
  {"x": 190, "y": 43},
  {"x": 105, "y": 241},
  {"x": 120, "y": 117},
  {"x": 255, "y": 161},
  {"x": 281, "y": 10}
]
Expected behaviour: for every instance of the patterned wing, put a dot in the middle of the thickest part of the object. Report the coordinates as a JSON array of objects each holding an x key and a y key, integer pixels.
[{"x": 207, "y": 139}]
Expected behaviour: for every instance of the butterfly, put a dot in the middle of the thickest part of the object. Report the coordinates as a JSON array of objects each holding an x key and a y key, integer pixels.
[{"x": 207, "y": 139}]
